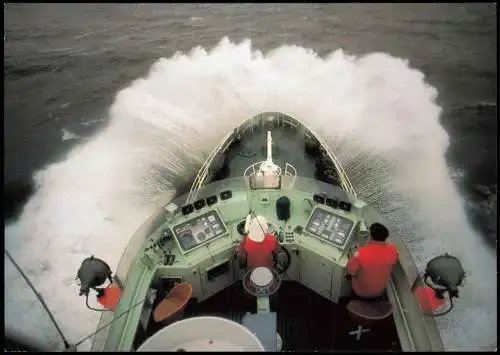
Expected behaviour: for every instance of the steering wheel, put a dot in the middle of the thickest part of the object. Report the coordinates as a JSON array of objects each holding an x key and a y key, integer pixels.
[
  {"x": 283, "y": 267},
  {"x": 240, "y": 227}
]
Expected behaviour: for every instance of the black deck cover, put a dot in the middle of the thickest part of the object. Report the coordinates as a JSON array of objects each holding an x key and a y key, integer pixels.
[{"x": 306, "y": 320}]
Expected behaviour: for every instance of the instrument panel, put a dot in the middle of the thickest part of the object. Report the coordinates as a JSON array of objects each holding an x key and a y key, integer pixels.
[
  {"x": 199, "y": 230},
  {"x": 329, "y": 226}
]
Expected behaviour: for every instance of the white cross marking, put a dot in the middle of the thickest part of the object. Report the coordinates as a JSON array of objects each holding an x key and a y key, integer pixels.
[{"x": 358, "y": 332}]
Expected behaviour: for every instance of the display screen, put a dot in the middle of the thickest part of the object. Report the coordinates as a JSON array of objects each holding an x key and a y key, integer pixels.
[
  {"x": 265, "y": 182},
  {"x": 199, "y": 230},
  {"x": 329, "y": 226}
]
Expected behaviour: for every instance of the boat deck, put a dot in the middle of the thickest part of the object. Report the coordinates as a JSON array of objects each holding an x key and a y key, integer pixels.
[
  {"x": 288, "y": 147},
  {"x": 306, "y": 321}
]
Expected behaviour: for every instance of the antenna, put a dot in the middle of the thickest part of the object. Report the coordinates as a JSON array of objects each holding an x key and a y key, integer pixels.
[
  {"x": 39, "y": 296},
  {"x": 114, "y": 320}
]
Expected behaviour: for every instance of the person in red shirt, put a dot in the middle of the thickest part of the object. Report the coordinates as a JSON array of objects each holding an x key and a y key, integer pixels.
[
  {"x": 258, "y": 247},
  {"x": 370, "y": 267}
]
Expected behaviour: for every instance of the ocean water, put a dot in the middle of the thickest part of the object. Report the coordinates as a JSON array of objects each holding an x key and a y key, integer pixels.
[{"x": 108, "y": 105}]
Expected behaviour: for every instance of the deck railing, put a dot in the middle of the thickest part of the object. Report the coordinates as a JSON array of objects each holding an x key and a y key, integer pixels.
[
  {"x": 279, "y": 117},
  {"x": 203, "y": 172},
  {"x": 344, "y": 179}
]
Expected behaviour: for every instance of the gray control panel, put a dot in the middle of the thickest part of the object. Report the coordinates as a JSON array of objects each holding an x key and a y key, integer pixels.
[
  {"x": 329, "y": 226},
  {"x": 199, "y": 230}
]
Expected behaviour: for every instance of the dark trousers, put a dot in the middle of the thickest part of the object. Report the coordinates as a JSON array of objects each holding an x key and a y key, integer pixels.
[
  {"x": 380, "y": 298},
  {"x": 353, "y": 296}
]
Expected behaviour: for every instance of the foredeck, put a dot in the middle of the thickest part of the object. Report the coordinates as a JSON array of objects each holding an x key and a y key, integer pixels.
[
  {"x": 293, "y": 143},
  {"x": 289, "y": 148}
]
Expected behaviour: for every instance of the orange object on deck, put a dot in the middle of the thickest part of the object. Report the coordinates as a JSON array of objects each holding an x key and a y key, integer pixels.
[
  {"x": 111, "y": 297},
  {"x": 174, "y": 303},
  {"x": 427, "y": 299}
]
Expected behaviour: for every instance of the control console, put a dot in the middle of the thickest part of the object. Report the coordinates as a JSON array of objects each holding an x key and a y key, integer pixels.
[
  {"x": 330, "y": 227},
  {"x": 199, "y": 230}
]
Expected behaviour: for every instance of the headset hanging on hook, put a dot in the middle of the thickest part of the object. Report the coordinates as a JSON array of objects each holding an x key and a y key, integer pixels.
[
  {"x": 94, "y": 272},
  {"x": 446, "y": 274}
]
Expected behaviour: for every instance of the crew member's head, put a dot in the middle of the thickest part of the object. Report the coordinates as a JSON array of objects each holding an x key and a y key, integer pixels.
[
  {"x": 379, "y": 232},
  {"x": 257, "y": 229}
]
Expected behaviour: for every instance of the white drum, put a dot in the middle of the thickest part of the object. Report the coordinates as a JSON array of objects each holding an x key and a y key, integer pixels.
[{"x": 203, "y": 334}]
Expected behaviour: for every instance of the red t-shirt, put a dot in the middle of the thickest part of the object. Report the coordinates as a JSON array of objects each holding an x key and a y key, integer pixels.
[
  {"x": 371, "y": 267},
  {"x": 258, "y": 253}
]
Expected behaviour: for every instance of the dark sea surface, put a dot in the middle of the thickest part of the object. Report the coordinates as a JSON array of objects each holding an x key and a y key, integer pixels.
[{"x": 64, "y": 65}]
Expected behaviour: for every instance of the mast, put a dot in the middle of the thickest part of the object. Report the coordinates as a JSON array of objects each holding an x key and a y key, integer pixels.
[
  {"x": 269, "y": 148},
  {"x": 268, "y": 167}
]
